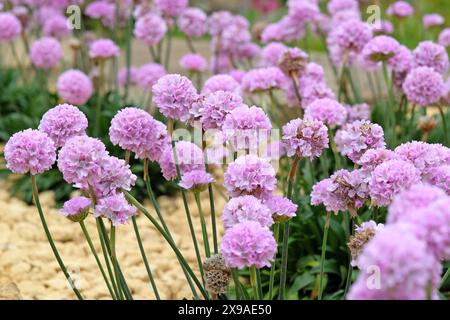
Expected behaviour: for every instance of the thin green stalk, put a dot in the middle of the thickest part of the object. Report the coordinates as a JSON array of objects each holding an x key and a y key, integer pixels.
[
  {"x": 297, "y": 91},
  {"x": 390, "y": 112},
  {"x": 113, "y": 255},
  {"x": 203, "y": 224},
  {"x": 259, "y": 283},
  {"x": 213, "y": 218},
  {"x": 324, "y": 249},
  {"x": 284, "y": 252},
  {"x": 445, "y": 277},
  {"x": 166, "y": 229},
  {"x": 168, "y": 49},
  {"x": 98, "y": 107},
  {"x": 117, "y": 292},
  {"x": 18, "y": 63},
  {"x": 276, "y": 233},
  {"x": 174, "y": 247},
  {"x": 99, "y": 263},
  {"x": 128, "y": 55},
  {"x": 350, "y": 267},
  {"x": 444, "y": 123},
  {"x": 50, "y": 238},
  {"x": 337, "y": 158},
  {"x": 237, "y": 284},
  {"x": 144, "y": 258},
  {"x": 254, "y": 283},
  {"x": 190, "y": 44}
]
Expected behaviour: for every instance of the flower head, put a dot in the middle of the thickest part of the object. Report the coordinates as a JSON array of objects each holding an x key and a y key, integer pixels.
[
  {"x": 282, "y": 208},
  {"x": 357, "y": 137},
  {"x": 424, "y": 86},
  {"x": 196, "y": 180},
  {"x": 62, "y": 123},
  {"x": 250, "y": 175},
  {"x": 374, "y": 157},
  {"x": 423, "y": 156},
  {"x": 248, "y": 244},
  {"x": 389, "y": 178},
  {"x": 103, "y": 10},
  {"x": 10, "y": 27},
  {"x": 432, "y": 20},
  {"x": 357, "y": 112},
  {"x": 246, "y": 208},
  {"x": 76, "y": 209},
  {"x": 363, "y": 234},
  {"x": 150, "y": 29},
  {"x": 217, "y": 274},
  {"x": 444, "y": 38},
  {"x": 329, "y": 111},
  {"x": 103, "y": 49},
  {"x": 305, "y": 138},
  {"x": 193, "y": 62},
  {"x": 439, "y": 177},
  {"x": 56, "y": 26},
  {"x": 271, "y": 54},
  {"x": 135, "y": 130},
  {"x": 192, "y": 22},
  {"x": 46, "y": 53},
  {"x": 148, "y": 74},
  {"x": 293, "y": 61},
  {"x": 432, "y": 55},
  {"x": 222, "y": 82},
  {"x": 406, "y": 268},
  {"x": 188, "y": 155},
  {"x": 262, "y": 79},
  {"x": 74, "y": 87},
  {"x": 115, "y": 208},
  {"x": 173, "y": 95},
  {"x": 380, "y": 48},
  {"x": 30, "y": 151},
  {"x": 400, "y": 9},
  {"x": 171, "y": 8}
]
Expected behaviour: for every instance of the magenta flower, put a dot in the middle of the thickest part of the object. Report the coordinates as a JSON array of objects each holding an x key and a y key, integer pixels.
[
  {"x": 62, "y": 123},
  {"x": 357, "y": 112},
  {"x": 192, "y": 22},
  {"x": 444, "y": 38},
  {"x": 216, "y": 106},
  {"x": 248, "y": 244},
  {"x": 305, "y": 138},
  {"x": 329, "y": 111},
  {"x": 222, "y": 82},
  {"x": 271, "y": 54},
  {"x": 424, "y": 86},
  {"x": 380, "y": 48},
  {"x": 150, "y": 29},
  {"x": 250, "y": 175},
  {"x": 282, "y": 208},
  {"x": 246, "y": 208},
  {"x": 170, "y": 8},
  {"x": 196, "y": 180},
  {"x": 115, "y": 208},
  {"x": 30, "y": 151},
  {"x": 148, "y": 74},
  {"x": 135, "y": 130},
  {"x": 10, "y": 27},
  {"x": 173, "y": 95},
  {"x": 46, "y": 53},
  {"x": 103, "y": 10},
  {"x": 193, "y": 62},
  {"x": 432, "y": 55},
  {"x": 344, "y": 191},
  {"x": 189, "y": 158},
  {"x": 335, "y": 6},
  {"x": 357, "y": 137},
  {"x": 76, "y": 209},
  {"x": 439, "y": 177},
  {"x": 56, "y": 26},
  {"x": 400, "y": 9},
  {"x": 389, "y": 178},
  {"x": 406, "y": 267},
  {"x": 374, "y": 157},
  {"x": 423, "y": 156},
  {"x": 80, "y": 160},
  {"x": 74, "y": 87},
  {"x": 432, "y": 20},
  {"x": 263, "y": 79},
  {"x": 103, "y": 49}
]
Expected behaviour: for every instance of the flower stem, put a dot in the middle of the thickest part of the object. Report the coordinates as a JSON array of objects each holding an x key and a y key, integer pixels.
[
  {"x": 337, "y": 158},
  {"x": 276, "y": 232},
  {"x": 174, "y": 247},
  {"x": 213, "y": 218},
  {"x": 445, "y": 277},
  {"x": 444, "y": 123},
  {"x": 322, "y": 257},
  {"x": 350, "y": 267},
  {"x": 99, "y": 263},
  {"x": 254, "y": 282},
  {"x": 144, "y": 258},
  {"x": 50, "y": 238},
  {"x": 203, "y": 224}
]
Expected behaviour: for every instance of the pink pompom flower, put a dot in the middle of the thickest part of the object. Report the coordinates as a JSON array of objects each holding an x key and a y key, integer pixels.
[
  {"x": 329, "y": 111},
  {"x": 46, "y": 53},
  {"x": 115, "y": 208},
  {"x": 189, "y": 157},
  {"x": 150, "y": 29},
  {"x": 424, "y": 86},
  {"x": 103, "y": 49},
  {"x": 193, "y": 22},
  {"x": 74, "y": 87},
  {"x": 431, "y": 55},
  {"x": 10, "y": 27},
  {"x": 193, "y": 62},
  {"x": 76, "y": 209},
  {"x": 282, "y": 208},
  {"x": 196, "y": 180},
  {"x": 149, "y": 74},
  {"x": 246, "y": 208}
]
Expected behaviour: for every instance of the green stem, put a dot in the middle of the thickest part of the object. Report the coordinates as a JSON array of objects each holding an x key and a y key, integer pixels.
[
  {"x": 213, "y": 218},
  {"x": 144, "y": 258},
  {"x": 350, "y": 267},
  {"x": 254, "y": 282},
  {"x": 337, "y": 158},
  {"x": 50, "y": 238},
  {"x": 117, "y": 292},
  {"x": 237, "y": 284},
  {"x": 259, "y": 283},
  {"x": 128, "y": 54},
  {"x": 98, "y": 107},
  {"x": 203, "y": 224},
  {"x": 168, "y": 49},
  {"x": 276, "y": 232},
  {"x": 190, "y": 44},
  {"x": 99, "y": 263},
  {"x": 444, "y": 123},
  {"x": 445, "y": 277},
  {"x": 322, "y": 257},
  {"x": 174, "y": 247}
]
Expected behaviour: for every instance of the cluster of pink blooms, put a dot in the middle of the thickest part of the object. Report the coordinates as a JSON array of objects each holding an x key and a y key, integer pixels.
[{"x": 46, "y": 53}]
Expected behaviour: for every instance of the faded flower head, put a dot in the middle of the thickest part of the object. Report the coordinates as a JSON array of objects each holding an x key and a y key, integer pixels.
[
  {"x": 363, "y": 234},
  {"x": 293, "y": 61},
  {"x": 217, "y": 274}
]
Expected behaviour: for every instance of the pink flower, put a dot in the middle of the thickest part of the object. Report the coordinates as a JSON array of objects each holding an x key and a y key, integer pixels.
[
  {"x": 189, "y": 158},
  {"x": 400, "y": 9},
  {"x": 444, "y": 38},
  {"x": 30, "y": 151},
  {"x": 170, "y": 8},
  {"x": 250, "y": 175},
  {"x": 74, "y": 87},
  {"x": 103, "y": 10},
  {"x": 248, "y": 244},
  {"x": 115, "y": 208},
  {"x": 10, "y": 27},
  {"x": 46, "y": 53},
  {"x": 123, "y": 73},
  {"x": 193, "y": 62},
  {"x": 192, "y": 22},
  {"x": 76, "y": 209},
  {"x": 282, "y": 208},
  {"x": 149, "y": 74},
  {"x": 432, "y": 20},
  {"x": 222, "y": 82},
  {"x": 424, "y": 86},
  {"x": 196, "y": 180},
  {"x": 271, "y": 54},
  {"x": 263, "y": 79},
  {"x": 150, "y": 29},
  {"x": 432, "y": 55},
  {"x": 246, "y": 208},
  {"x": 103, "y": 49},
  {"x": 329, "y": 111},
  {"x": 56, "y": 26}
]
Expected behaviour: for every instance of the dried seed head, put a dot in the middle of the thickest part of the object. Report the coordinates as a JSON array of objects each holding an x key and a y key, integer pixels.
[
  {"x": 427, "y": 124},
  {"x": 358, "y": 241},
  {"x": 217, "y": 274}
]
